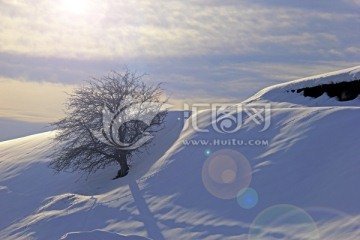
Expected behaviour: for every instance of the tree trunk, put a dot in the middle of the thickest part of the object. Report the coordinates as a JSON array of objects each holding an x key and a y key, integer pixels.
[{"x": 124, "y": 167}]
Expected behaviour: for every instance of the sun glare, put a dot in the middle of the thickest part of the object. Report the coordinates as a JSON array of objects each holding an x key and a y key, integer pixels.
[{"x": 75, "y": 6}]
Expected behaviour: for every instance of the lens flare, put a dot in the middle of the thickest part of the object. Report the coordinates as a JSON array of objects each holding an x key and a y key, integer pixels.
[
  {"x": 247, "y": 198},
  {"x": 225, "y": 173},
  {"x": 283, "y": 222},
  {"x": 207, "y": 152}
]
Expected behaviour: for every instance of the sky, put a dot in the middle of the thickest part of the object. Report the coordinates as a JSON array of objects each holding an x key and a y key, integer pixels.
[{"x": 202, "y": 50}]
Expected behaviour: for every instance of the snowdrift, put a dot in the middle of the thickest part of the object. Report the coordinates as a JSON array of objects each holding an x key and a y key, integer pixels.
[{"x": 298, "y": 179}]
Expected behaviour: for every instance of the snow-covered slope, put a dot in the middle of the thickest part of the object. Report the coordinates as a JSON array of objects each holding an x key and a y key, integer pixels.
[
  {"x": 301, "y": 182},
  {"x": 282, "y": 92}
]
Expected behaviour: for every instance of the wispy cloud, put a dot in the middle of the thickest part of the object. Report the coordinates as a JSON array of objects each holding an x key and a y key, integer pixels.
[
  {"x": 109, "y": 29},
  {"x": 353, "y": 2}
]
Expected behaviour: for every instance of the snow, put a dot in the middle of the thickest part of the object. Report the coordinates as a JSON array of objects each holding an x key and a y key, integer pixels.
[
  {"x": 305, "y": 180},
  {"x": 282, "y": 92},
  {"x": 98, "y": 234}
]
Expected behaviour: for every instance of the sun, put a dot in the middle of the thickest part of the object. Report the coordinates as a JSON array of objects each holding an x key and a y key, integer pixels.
[{"x": 75, "y": 6}]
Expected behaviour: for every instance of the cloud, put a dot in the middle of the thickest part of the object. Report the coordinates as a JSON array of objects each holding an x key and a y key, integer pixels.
[
  {"x": 353, "y": 50},
  {"x": 128, "y": 29},
  {"x": 280, "y": 72},
  {"x": 353, "y": 2},
  {"x": 32, "y": 101}
]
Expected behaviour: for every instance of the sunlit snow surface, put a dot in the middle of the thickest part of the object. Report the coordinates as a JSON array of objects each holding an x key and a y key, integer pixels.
[{"x": 303, "y": 185}]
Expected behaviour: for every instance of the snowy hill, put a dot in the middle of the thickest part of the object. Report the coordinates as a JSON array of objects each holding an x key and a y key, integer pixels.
[
  {"x": 286, "y": 92},
  {"x": 298, "y": 179}
]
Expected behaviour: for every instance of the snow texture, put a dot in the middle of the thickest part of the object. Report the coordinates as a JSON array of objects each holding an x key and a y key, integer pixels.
[{"x": 304, "y": 184}]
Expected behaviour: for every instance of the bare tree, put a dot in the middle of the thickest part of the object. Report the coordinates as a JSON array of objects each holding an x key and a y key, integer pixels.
[{"x": 107, "y": 120}]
